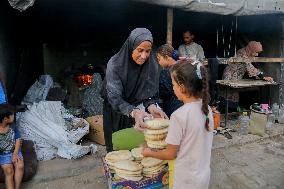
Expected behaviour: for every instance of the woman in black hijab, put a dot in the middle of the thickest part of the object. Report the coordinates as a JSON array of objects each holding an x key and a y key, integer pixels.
[{"x": 131, "y": 86}]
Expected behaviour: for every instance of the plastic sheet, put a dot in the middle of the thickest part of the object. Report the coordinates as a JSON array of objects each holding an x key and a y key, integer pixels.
[
  {"x": 92, "y": 101},
  {"x": 21, "y": 5},
  {"x": 44, "y": 124},
  {"x": 39, "y": 90}
]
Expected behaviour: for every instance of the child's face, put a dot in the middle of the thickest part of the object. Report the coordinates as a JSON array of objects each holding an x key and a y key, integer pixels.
[
  {"x": 10, "y": 119},
  {"x": 177, "y": 89},
  {"x": 162, "y": 61}
]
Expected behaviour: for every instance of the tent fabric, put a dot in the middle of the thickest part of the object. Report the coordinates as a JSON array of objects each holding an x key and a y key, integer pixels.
[
  {"x": 2, "y": 94},
  {"x": 21, "y": 5},
  {"x": 224, "y": 7}
]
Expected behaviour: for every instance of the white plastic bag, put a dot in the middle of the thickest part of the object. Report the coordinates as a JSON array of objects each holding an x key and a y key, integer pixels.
[
  {"x": 39, "y": 90},
  {"x": 44, "y": 124}
]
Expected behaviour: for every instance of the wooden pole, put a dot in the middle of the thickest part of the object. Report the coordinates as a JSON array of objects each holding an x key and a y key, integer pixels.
[
  {"x": 281, "y": 78},
  {"x": 169, "y": 26}
]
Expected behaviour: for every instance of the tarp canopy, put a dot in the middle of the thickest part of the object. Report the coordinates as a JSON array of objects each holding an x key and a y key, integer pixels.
[
  {"x": 21, "y": 5},
  {"x": 224, "y": 7}
]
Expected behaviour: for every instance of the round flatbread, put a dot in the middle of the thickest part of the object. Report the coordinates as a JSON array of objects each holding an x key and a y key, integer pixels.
[
  {"x": 150, "y": 162},
  {"x": 127, "y": 165},
  {"x": 118, "y": 155},
  {"x": 137, "y": 160},
  {"x": 121, "y": 171},
  {"x": 111, "y": 170},
  {"x": 155, "y": 132},
  {"x": 111, "y": 167},
  {"x": 117, "y": 178},
  {"x": 153, "y": 169},
  {"x": 157, "y": 123},
  {"x": 111, "y": 163},
  {"x": 137, "y": 153},
  {"x": 153, "y": 172},
  {"x": 159, "y": 143},
  {"x": 127, "y": 177},
  {"x": 155, "y": 137},
  {"x": 156, "y": 147},
  {"x": 150, "y": 175}
]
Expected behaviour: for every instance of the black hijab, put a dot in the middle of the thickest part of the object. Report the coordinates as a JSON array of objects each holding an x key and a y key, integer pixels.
[{"x": 126, "y": 78}]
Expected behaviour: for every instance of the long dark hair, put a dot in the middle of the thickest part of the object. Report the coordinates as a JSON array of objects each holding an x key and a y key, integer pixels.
[
  {"x": 5, "y": 111},
  {"x": 195, "y": 81}
]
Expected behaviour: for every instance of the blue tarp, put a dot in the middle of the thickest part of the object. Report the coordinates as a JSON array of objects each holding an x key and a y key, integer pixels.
[{"x": 2, "y": 94}]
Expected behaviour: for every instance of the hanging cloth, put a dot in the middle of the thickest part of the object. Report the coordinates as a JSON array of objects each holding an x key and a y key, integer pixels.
[{"x": 21, "y": 5}]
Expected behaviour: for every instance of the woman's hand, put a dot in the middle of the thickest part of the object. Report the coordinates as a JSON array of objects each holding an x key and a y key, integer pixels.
[
  {"x": 268, "y": 79},
  {"x": 139, "y": 116},
  {"x": 157, "y": 112}
]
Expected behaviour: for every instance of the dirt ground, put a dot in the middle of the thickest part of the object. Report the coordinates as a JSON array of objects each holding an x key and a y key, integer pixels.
[
  {"x": 258, "y": 165},
  {"x": 244, "y": 162}
]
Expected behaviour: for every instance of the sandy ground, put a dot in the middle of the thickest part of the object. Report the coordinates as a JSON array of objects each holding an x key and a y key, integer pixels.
[{"x": 259, "y": 165}]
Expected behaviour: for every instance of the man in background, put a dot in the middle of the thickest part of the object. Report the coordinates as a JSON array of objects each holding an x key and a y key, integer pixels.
[{"x": 190, "y": 49}]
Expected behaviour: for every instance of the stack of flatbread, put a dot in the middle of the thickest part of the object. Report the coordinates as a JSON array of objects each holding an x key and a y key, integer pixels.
[
  {"x": 129, "y": 170},
  {"x": 115, "y": 156},
  {"x": 132, "y": 165},
  {"x": 156, "y": 133},
  {"x": 137, "y": 154},
  {"x": 152, "y": 166}
]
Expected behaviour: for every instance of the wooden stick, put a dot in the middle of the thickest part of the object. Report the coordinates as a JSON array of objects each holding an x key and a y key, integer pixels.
[{"x": 169, "y": 26}]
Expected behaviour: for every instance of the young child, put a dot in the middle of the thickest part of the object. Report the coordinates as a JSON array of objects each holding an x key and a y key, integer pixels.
[
  {"x": 167, "y": 56},
  {"x": 190, "y": 135},
  {"x": 11, "y": 159}
]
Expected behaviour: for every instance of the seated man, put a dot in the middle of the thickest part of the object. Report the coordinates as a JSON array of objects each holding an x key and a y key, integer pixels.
[{"x": 190, "y": 48}]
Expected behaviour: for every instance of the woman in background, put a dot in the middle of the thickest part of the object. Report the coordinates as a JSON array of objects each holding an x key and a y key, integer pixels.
[{"x": 236, "y": 71}]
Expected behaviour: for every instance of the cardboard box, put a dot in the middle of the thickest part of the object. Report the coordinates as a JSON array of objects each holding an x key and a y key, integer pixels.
[
  {"x": 147, "y": 183},
  {"x": 96, "y": 133}
]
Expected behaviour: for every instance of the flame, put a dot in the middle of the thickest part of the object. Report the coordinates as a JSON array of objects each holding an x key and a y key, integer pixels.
[{"x": 84, "y": 80}]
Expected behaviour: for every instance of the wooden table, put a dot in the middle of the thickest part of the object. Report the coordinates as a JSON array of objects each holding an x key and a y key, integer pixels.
[
  {"x": 243, "y": 60},
  {"x": 238, "y": 84}
]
